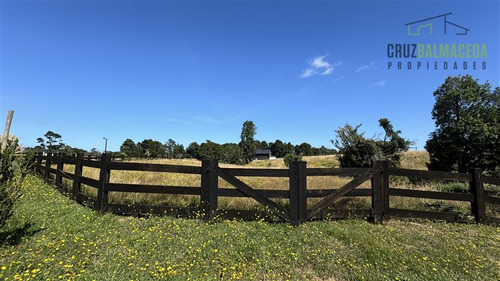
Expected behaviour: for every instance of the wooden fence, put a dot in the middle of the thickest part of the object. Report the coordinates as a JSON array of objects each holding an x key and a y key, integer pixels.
[{"x": 296, "y": 212}]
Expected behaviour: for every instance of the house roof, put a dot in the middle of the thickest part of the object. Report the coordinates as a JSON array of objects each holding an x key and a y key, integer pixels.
[{"x": 263, "y": 151}]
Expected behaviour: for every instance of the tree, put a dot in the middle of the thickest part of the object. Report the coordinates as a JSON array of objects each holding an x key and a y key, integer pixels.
[
  {"x": 69, "y": 150},
  {"x": 169, "y": 148},
  {"x": 151, "y": 148},
  {"x": 129, "y": 148},
  {"x": 280, "y": 149},
  {"x": 357, "y": 151},
  {"x": 354, "y": 149},
  {"x": 178, "y": 151},
  {"x": 192, "y": 150},
  {"x": 51, "y": 142},
  {"x": 94, "y": 152},
  {"x": 304, "y": 149},
  {"x": 210, "y": 150},
  {"x": 393, "y": 144},
  {"x": 247, "y": 143},
  {"x": 231, "y": 153},
  {"x": 467, "y": 134}
]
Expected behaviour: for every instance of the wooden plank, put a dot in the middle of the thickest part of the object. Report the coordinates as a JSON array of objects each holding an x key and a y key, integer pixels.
[
  {"x": 452, "y": 217},
  {"x": 69, "y": 160},
  {"x": 341, "y": 214},
  {"x": 297, "y": 193},
  {"x": 47, "y": 168},
  {"x": 243, "y": 187},
  {"x": 429, "y": 174},
  {"x": 491, "y": 220},
  {"x": 209, "y": 188},
  {"x": 88, "y": 181},
  {"x": 60, "y": 167},
  {"x": 141, "y": 188},
  {"x": 52, "y": 157},
  {"x": 38, "y": 165},
  {"x": 52, "y": 170},
  {"x": 492, "y": 200},
  {"x": 249, "y": 172},
  {"x": 66, "y": 175},
  {"x": 104, "y": 175},
  {"x": 431, "y": 194},
  {"x": 269, "y": 193},
  {"x": 127, "y": 166},
  {"x": 491, "y": 180},
  {"x": 377, "y": 210},
  {"x": 62, "y": 188},
  {"x": 90, "y": 163},
  {"x": 77, "y": 174},
  {"x": 360, "y": 192},
  {"x": 328, "y": 200},
  {"x": 385, "y": 184},
  {"x": 147, "y": 209},
  {"x": 476, "y": 188},
  {"x": 347, "y": 172}
]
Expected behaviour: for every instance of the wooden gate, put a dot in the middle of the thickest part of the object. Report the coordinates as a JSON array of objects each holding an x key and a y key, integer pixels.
[
  {"x": 332, "y": 197},
  {"x": 253, "y": 193}
]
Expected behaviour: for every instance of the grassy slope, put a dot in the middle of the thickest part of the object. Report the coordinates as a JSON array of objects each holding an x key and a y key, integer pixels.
[{"x": 52, "y": 238}]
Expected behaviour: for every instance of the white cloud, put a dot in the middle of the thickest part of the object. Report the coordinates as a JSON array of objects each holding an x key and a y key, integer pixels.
[
  {"x": 308, "y": 73},
  {"x": 328, "y": 71},
  {"x": 319, "y": 66},
  {"x": 379, "y": 84},
  {"x": 318, "y": 62},
  {"x": 369, "y": 66}
]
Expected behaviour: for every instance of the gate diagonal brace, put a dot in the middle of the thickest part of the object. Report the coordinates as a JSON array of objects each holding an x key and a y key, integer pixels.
[
  {"x": 338, "y": 194},
  {"x": 250, "y": 192}
]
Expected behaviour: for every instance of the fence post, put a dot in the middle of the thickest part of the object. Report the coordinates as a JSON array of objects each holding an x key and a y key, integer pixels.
[
  {"x": 77, "y": 186},
  {"x": 209, "y": 188},
  {"x": 102, "y": 195},
  {"x": 478, "y": 207},
  {"x": 47, "y": 166},
  {"x": 385, "y": 186},
  {"x": 377, "y": 212},
  {"x": 38, "y": 166},
  {"x": 60, "y": 167},
  {"x": 298, "y": 189}
]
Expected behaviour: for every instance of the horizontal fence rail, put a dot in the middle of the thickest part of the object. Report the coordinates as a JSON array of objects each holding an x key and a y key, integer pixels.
[{"x": 297, "y": 195}]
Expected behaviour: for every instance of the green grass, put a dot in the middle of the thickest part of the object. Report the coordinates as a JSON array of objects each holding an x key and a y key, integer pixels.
[{"x": 52, "y": 238}]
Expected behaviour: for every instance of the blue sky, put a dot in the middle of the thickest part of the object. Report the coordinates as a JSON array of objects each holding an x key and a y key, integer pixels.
[{"x": 195, "y": 70}]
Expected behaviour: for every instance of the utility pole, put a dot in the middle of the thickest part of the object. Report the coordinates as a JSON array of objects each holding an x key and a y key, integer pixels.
[
  {"x": 105, "y": 144},
  {"x": 5, "y": 137}
]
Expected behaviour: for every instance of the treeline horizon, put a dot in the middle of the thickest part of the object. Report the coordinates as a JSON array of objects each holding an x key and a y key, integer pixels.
[{"x": 233, "y": 153}]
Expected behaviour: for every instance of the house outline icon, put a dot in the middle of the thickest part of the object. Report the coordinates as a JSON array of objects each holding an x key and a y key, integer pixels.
[{"x": 445, "y": 23}]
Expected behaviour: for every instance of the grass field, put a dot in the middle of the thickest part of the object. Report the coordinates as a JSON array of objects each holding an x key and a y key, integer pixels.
[{"x": 52, "y": 238}]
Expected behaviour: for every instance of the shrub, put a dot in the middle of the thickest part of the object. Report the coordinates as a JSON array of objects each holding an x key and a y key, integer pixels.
[
  {"x": 291, "y": 157},
  {"x": 9, "y": 187},
  {"x": 355, "y": 150}
]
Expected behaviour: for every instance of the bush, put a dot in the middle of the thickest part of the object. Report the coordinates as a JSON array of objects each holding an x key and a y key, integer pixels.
[
  {"x": 355, "y": 150},
  {"x": 291, "y": 157},
  {"x": 9, "y": 187}
]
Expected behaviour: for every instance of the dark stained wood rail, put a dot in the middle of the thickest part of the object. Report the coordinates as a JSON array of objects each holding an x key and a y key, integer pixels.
[{"x": 297, "y": 211}]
